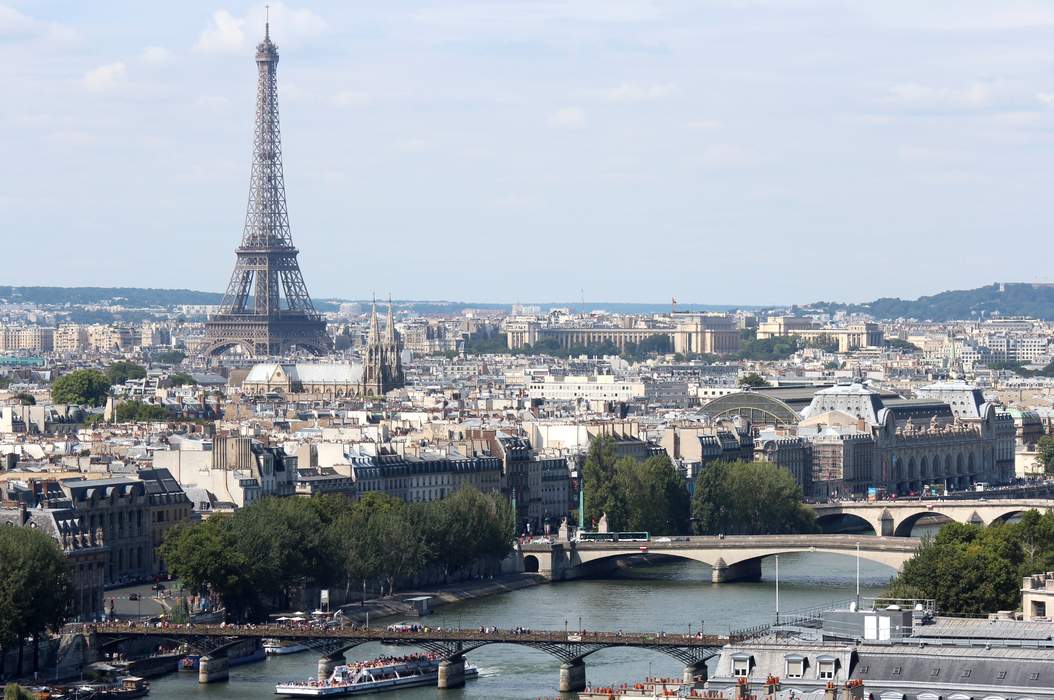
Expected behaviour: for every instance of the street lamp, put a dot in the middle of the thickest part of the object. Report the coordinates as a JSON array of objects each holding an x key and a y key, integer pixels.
[
  {"x": 858, "y": 575},
  {"x": 565, "y": 628},
  {"x": 777, "y": 589},
  {"x": 580, "y": 624}
]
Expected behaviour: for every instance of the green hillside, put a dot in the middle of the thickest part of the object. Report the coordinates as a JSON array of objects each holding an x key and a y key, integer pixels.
[{"x": 1004, "y": 299}]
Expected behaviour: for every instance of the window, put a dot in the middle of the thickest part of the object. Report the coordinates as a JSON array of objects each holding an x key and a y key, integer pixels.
[
  {"x": 1033, "y": 676},
  {"x": 795, "y": 667},
  {"x": 896, "y": 670},
  {"x": 1001, "y": 675},
  {"x": 934, "y": 672},
  {"x": 826, "y": 669},
  {"x": 864, "y": 668},
  {"x": 966, "y": 673},
  {"x": 741, "y": 667}
]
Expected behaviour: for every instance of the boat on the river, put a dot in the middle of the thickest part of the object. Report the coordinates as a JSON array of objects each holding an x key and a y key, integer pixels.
[
  {"x": 386, "y": 673},
  {"x": 244, "y": 651},
  {"x": 280, "y": 647}
]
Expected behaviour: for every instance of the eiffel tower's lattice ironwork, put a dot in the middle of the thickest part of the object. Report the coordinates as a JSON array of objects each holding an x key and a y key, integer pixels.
[{"x": 266, "y": 310}]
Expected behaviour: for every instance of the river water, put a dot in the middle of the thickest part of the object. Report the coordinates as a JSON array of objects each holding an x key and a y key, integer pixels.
[{"x": 663, "y": 597}]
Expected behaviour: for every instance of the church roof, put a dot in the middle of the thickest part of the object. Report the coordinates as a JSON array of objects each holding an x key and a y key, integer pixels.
[{"x": 338, "y": 373}]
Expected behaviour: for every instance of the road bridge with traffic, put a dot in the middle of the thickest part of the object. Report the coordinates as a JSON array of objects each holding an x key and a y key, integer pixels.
[
  {"x": 897, "y": 518},
  {"x": 731, "y": 558},
  {"x": 451, "y": 645}
]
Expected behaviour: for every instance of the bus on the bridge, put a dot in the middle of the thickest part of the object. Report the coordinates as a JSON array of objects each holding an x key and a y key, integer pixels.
[{"x": 613, "y": 537}]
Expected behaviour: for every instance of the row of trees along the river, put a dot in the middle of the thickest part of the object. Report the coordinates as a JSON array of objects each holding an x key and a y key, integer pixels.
[
  {"x": 255, "y": 558},
  {"x": 652, "y": 496},
  {"x": 36, "y": 590},
  {"x": 970, "y": 569}
]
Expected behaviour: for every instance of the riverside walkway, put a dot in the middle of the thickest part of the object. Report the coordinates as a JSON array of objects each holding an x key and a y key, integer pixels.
[{"x": 570, "y": 647}]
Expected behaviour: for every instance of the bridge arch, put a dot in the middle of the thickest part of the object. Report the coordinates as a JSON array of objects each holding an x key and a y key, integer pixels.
[
  {"x": 827, "y": 520},
  {"x": 530, "y": 564},
  {"x": 1005, "y": 517},
  {"x": 905, "y": 526},
  {"x": 724, "y": 557}
]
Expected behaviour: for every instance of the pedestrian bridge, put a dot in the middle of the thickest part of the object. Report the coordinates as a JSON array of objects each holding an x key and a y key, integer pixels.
[
  {"x": 897, "y": 518},
  {"x": 731, "y": 558},
  {"x": 451, "y": 645}
]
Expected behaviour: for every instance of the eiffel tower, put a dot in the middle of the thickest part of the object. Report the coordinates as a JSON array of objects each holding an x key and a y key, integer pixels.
[{"x": 266, "y": 310}]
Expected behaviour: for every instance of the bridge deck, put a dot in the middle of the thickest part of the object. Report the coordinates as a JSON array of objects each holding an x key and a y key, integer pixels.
[
  {"x": 659, "y": 544},
  {"x": 427, "y": 634}
]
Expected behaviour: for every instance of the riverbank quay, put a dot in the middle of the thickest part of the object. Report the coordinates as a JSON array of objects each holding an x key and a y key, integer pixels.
[{"x": 439, "y": 596}]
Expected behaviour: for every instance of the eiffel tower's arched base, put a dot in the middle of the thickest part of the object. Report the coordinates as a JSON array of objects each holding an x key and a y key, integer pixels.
[{"x": 266, "y": 337}]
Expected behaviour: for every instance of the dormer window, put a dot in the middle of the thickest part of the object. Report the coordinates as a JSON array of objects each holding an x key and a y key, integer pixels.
[
  {"x": 795, "y": 665},
  {"x": 827, "y": 666},
  {"x": 741, "y": 664}
]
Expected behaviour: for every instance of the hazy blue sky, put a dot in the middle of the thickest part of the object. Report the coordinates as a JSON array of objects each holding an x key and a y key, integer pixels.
[{"x": 721, "y": 151}]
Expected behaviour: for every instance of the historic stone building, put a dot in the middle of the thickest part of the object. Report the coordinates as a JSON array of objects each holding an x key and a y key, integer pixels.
[
  {"x": 948, "y": 438},
  {"x": 382, "y": 364}
]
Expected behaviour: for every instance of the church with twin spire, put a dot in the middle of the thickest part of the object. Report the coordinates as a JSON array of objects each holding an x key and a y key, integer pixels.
[{"x": 382, "y": 363}]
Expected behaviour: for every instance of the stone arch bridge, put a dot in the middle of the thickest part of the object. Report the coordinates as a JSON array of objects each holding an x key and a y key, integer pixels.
[
  {"x": 732, "y": 558},
  {"x": 897, "y": 518}
]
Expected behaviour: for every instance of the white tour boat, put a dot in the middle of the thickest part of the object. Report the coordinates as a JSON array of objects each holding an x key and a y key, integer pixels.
[
  {"x": 372, "y": 676},
  {"x": 277, "y": 647}
]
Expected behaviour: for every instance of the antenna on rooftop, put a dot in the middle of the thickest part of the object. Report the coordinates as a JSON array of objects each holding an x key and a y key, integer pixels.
[{"x": 267, "y": 21}]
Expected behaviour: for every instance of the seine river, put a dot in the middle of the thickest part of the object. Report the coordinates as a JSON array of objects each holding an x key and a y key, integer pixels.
[{"x": 653, "y": 598}]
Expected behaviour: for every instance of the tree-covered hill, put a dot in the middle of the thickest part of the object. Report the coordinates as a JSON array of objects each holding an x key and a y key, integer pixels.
[{"x": 1005, "y": 299}]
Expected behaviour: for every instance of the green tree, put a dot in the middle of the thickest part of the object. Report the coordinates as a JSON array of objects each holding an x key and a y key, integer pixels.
[
  {"x": 82, "y": 387},
  {"x": 602, "y": 493},
  {"x": 131, "y": 411},
  {"x": 204, "y": 556},
  {"x": 23, "y": 398},
  {"x": 749, "y": 498},
  {"x": 13, "y": 691},
  {"x": 170, "y": 357},
  {"x": 1045, "y": 447},
  {"x": 753, "y": 380},
  {"x": 36, "y": 587},
  {"x": 121, "y": 371},
  {"x": 655, "y": 495},
  {"x": 181, "y": 379}
]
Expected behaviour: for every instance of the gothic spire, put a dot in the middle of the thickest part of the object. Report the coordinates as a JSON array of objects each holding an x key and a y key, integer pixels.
[
  {"x": 390, "y": 333},
  {"x": 375, "y": 326}
]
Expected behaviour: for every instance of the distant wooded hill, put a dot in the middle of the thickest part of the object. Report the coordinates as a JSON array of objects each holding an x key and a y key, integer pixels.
[{"x": 1005, "y": 299}]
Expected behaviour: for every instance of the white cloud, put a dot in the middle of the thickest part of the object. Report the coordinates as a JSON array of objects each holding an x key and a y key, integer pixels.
[
  {"x": 227, "y": 33},
  {"x": 156, "y": 55},
  {"x": 635, "y": 92},
  {"x": 16, "y": 25},
  {"x": 924, "y": 97},
  {"x": 350, "y": 98},
  {"x": 704, "y": 124},
  {"x": 1046, "y": 98},
  {"x": 105, "y": 77},
  {"x": 567, "y": 118}
]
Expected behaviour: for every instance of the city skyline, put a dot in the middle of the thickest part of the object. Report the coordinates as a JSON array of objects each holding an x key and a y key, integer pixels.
[{"x": 581, "y": 144}]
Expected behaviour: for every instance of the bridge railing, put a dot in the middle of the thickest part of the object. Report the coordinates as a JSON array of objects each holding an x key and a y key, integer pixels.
[{"x": 423, "y": 633}]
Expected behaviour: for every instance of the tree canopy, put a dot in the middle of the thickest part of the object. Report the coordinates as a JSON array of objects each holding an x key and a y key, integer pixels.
[
  {"x": 647, "y": 495},
  {"x": 121, "y": 371},
  {"x": 36, "y": 586},
  {"x": 181, "y": 379},
  {"x": 253, "y": 558},
  {"x": 131, "y": 411},
  {"x": 969, "y": 569},
  {"x": 749, "y": 498},
  {"x": 82, "y": 387},
  {"x": 753, "y": 380}
]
